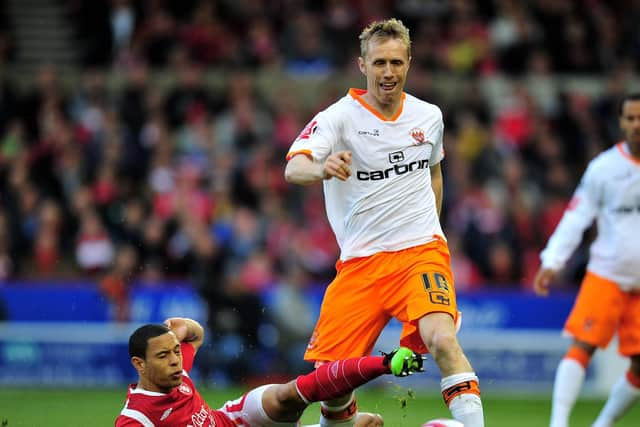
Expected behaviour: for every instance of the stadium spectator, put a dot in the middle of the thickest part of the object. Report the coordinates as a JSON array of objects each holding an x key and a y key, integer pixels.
[
  {"x": 116, "y": 284},
  {"x": 163, "y": 356},
  {"x": 378, "y": 152},
  {"x": 7, "y": 264},
  {"x": 94, "y": 247},
  {"x": 608, "y": 301}
]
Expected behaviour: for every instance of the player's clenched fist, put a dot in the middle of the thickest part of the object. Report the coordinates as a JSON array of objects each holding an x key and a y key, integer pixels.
[
  {"x": 338, "y": 165},
  {"x": 179, "y": 327},
  {"x": 542, "y": 281}
]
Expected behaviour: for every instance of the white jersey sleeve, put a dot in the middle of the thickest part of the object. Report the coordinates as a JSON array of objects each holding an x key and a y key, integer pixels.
[
  {"x": 578, "y": 216},
  {"x": 318, "y": 138},
  {"x": 436, "y": 134}
]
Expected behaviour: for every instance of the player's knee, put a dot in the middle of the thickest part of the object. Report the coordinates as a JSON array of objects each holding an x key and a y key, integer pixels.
[
  {"x": 283, "y": 400},
  {"x": 443, "y": 345}
]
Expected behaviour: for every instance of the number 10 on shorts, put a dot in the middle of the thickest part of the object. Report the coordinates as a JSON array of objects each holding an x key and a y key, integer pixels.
[{"x": 437, "y": 287}]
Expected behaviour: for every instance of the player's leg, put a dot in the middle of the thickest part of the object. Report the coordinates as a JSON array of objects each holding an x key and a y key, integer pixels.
[
  {"x": 459, "y": 384},
  {"x": 285, "y": 402},
  {"x": 592, "y": 323},
  {"x": 363, "y": 419},
  {"x": 568, "y": 381},
  {"x": 426, "y": 304},
  {"x": 350, "y": 322},
  {"x": 626, "y": 391}
]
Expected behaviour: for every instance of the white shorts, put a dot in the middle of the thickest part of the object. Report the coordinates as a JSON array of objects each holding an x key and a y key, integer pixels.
[{"x": 247, "y": 411}]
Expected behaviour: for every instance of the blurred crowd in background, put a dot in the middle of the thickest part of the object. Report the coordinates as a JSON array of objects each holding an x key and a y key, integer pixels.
[{"x": 148, "y": 183}]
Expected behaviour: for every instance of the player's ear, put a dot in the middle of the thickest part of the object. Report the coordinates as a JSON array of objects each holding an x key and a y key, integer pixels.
[
  {"x": 363, "y": 69},
  {"x": 138, "y": 363}
]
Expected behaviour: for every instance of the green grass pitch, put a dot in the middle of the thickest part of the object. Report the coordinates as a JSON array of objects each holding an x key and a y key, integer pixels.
[{"x": 400, "y": 407}]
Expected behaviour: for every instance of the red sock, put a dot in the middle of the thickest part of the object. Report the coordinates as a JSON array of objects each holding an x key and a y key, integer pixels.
[
  {"x": 336, "y": 379},
  {"x": 633, "y": 379}
]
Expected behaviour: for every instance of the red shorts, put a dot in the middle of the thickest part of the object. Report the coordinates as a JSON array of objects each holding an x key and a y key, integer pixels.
[
  {"x": 601, "y": 309},
  {"x": 367, "y": 292}
]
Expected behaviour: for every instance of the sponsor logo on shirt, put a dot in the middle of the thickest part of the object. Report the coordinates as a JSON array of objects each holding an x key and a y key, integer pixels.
[
  {"x": 199, "y": 418},
  {"x": 396, "y": 169},
  {"x": 396, "y": 157},
  {"x": 373, "y": 132}
]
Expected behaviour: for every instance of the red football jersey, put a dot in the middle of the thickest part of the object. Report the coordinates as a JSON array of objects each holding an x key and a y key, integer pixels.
[{"x": 182, "y": 407}]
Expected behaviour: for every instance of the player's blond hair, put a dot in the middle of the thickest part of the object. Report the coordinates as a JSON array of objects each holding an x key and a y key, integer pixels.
[{"x": 387, "y": 29}]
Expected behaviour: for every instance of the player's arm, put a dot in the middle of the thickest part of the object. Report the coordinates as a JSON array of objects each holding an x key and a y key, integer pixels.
[
  {"x": 436, "y": 184},
  {"x": 186, "y": 330},
  {"x": 579, "y": 215},
  {"x": 303, "y": 170}
]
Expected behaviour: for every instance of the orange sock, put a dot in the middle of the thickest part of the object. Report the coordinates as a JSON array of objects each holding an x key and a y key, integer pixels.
[
  {"x": 470, "y": 386},
  {"x": 579, "y": 354}
]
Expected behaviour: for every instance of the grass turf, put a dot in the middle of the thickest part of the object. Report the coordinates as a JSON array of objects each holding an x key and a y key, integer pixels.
[{"x": 400, "y": 407}]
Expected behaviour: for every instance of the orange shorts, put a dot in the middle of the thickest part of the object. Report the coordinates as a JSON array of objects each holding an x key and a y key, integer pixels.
[
  {"x": 601, "y": 309},
  {"x": 367, "y": 292}
]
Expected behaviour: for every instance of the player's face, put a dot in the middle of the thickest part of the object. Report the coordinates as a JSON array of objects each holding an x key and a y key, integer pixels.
[
  {"x": 630, "y": 123},
  {"x": 162, "y": 368},
  {"x": 386, "y": 66}
]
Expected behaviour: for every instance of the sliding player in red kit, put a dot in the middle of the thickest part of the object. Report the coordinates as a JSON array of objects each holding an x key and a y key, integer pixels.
[{"x": 165, "y": 395}]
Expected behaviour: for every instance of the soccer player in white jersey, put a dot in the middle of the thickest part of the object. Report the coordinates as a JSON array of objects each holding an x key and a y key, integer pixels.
[
  {"x": 165, "y": 396},
  {"x": 378, "y": 152},
  {"x": 609, "y": 296}
]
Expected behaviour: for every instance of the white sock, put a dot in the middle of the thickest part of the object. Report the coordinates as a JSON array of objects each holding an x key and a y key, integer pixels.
[
  {"x": 465, "y": 407},
  {"x": 566, "y": 388},
  {"x": 350, "y": 422},
  {"x": 621, "y": 397}
]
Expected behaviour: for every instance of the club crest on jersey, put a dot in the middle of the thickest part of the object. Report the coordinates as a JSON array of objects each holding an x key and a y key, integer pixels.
[
  {"x": 418, "y": 136},
  {"x": 308, "y": 130},
  {"x": 184, "y": 389}
]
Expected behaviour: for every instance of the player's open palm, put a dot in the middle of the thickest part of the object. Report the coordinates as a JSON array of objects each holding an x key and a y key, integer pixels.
[
  {"x": 542, "y": 281},
  {"x": 338, "y": 165}
]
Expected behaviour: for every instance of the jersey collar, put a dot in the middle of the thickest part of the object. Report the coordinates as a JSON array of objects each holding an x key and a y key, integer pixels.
[
  {"x": 357, "y": 95},
  {"x": 624, "y": 150},
  {"x": 136, "y": 390}
]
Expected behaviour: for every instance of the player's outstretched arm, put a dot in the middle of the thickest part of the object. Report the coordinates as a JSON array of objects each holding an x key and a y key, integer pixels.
[{"x": 186, "y": 330}]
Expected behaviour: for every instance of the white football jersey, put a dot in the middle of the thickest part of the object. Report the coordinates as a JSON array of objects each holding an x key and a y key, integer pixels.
[
  {"x": 609, "y": 192},
  {"x": 387, "y": 204}
]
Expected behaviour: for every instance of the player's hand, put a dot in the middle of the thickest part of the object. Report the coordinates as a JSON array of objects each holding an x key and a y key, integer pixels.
[
  {"x": 179, "y": 327},
  {"x": 338, "y": 165},
  {"x": 368, "y": 419},
  {"x": 542, "y": 281}
]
